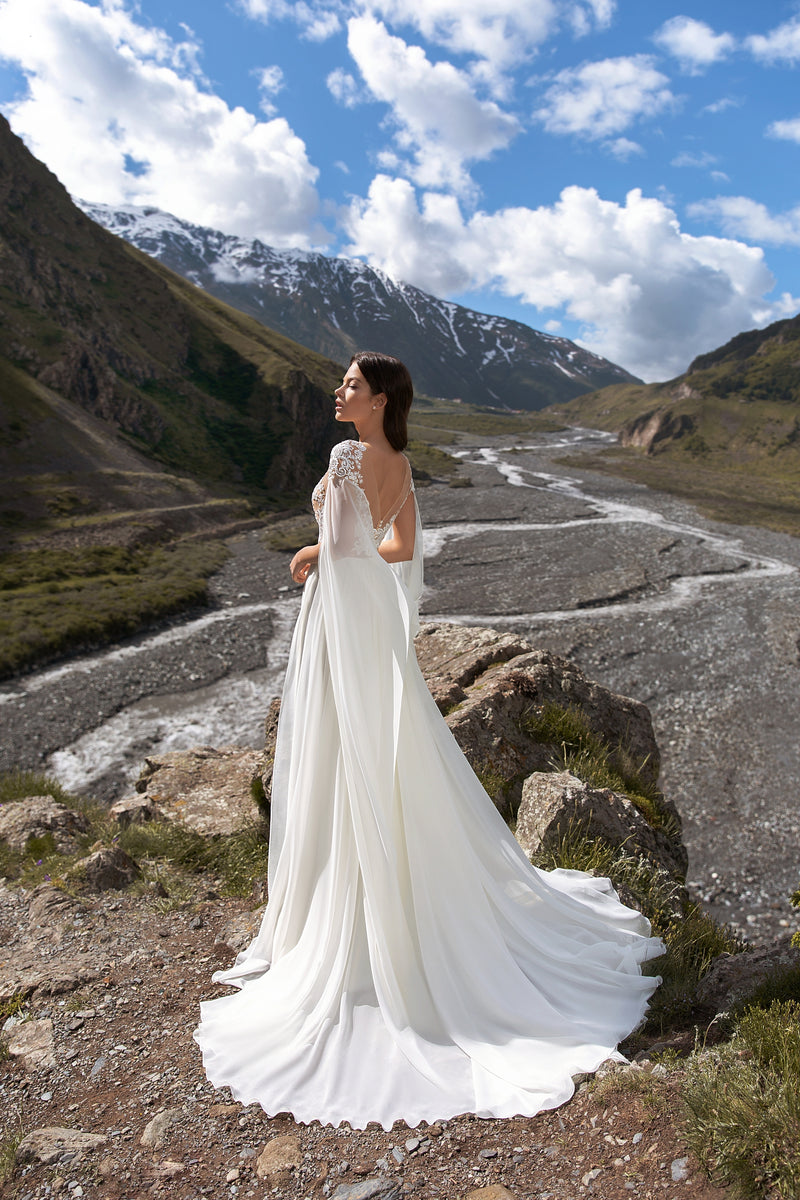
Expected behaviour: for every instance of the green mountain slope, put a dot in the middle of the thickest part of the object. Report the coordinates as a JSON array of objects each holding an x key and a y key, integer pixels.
[
  {"x": 726, "y": 434},
  {"x": 135, "y": 410},
  {"x": 191, "y": 384}
]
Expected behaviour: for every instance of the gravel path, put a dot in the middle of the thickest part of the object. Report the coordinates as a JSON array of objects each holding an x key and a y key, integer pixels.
[{"x": 701, "y": 621}]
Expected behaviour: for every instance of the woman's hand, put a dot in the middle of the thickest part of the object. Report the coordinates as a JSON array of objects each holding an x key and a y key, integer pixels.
[{"x": 302, "y": 563}]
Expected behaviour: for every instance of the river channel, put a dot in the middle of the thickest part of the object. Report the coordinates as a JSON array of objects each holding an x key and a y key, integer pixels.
[{"x": 699, "y": 620}]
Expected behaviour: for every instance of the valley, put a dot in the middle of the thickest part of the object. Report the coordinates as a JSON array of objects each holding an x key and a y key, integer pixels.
[{"x": 698, "y": 620}]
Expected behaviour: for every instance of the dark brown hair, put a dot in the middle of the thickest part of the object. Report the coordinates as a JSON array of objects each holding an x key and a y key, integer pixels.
[{"x": 388, "y": 375}]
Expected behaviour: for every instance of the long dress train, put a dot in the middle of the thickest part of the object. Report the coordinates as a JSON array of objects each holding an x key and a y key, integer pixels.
[{"x": 411, "y": 963}]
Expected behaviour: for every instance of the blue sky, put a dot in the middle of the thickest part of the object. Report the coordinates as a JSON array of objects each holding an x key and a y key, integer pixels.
[{"x": 618, "y": 171}]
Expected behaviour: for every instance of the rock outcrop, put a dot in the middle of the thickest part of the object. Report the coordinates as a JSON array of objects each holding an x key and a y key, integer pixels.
[
  {"x": 555, "y": 803},
  {"x": 489, "y": 685},
  {"x": 660, "y": 425},
  {"x": 208, "y": 790},
  {"x": 734, "y": 977},
  {"x": 38, "y": 817}
]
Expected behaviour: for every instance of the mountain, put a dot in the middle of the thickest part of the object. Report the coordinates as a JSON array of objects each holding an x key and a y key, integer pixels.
[
  {"x": 339, "y": 305},
  {"x": 725, "y": 433},
  {"x": 121, "y": 375}
]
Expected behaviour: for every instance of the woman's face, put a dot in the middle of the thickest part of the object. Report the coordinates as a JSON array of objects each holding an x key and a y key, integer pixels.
[{"x": 354, "y": 400}]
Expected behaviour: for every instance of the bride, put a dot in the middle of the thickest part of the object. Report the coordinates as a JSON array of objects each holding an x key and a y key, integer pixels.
[{"x": 411, "y": 963}]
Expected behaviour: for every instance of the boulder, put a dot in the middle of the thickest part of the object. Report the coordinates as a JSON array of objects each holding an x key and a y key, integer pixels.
[
  {"x": 209, "y": 790},
  {"x": 49, "y": 903},
  {"x": 451, "y": 657},
  {"x": 36, "y": 816},
  {"x": 731, "y": 978},
  {"x": 555, "y": 802},
  {"x": 48, "y": 1144},
  {"x": 108, "y": 868},
  {"x": 491, "y": 722},
  {"x": 488, "y": 683}
]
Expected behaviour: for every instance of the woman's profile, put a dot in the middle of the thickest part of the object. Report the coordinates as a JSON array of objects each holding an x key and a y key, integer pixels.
[{"x": 411, "y": 963}]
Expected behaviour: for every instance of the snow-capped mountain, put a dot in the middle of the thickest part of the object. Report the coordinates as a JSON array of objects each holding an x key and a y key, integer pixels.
[{"x": 338, "y": 305}]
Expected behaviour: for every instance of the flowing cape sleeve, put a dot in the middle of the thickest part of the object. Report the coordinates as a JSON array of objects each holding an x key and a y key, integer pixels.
[{"x": 370, "y": 614}]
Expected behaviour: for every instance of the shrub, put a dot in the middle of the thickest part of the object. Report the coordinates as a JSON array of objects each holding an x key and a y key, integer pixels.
[{"x": 743, "y": 1103}]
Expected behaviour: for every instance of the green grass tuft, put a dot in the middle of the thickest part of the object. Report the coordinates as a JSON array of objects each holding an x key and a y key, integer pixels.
[
  {"x": 18, "y": 785},
  {"x": 743, "y": 1102}
]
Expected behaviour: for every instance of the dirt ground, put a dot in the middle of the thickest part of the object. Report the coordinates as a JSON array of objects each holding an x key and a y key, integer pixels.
[{"x": 129, "y": 979}]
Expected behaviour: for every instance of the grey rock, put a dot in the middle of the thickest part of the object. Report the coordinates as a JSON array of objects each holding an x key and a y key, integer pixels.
[
  {"x": 31, "y": 1042},
  {"x": 733, "y": 977},
  {"x": 36, "y": 816},
  {"x": 50, "y": 903},
  {"x": 108, "y": 868},
  {"x": 156, "y": 1130},
  {"x": 555, "y": 802},
  {"x": 489, "y": 722},
  {"x": 49, "y": 1143},
  {"x": 452, "y": 657},
  {"x": 384, "y": 1188},
  {"x": 28, "y": 973},
  {"x": 679, "y": 1169},
  {"x": 206, "y": 788},
  {"x": 135, "y": 810}
]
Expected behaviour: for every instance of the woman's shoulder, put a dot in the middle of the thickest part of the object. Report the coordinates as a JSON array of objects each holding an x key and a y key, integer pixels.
[{"x": 345, "y": 460}]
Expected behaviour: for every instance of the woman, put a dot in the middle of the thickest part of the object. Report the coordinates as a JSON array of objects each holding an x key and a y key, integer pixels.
[{"x": 411, "y": 962}]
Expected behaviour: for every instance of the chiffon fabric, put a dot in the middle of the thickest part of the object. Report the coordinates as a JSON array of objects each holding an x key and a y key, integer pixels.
[{"x": 411, "y": 962}]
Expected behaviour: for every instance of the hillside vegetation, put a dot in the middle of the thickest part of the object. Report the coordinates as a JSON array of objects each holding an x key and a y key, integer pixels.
[
  {"x": 725, "y": 435},
  {"x": 136, "y": 412}
]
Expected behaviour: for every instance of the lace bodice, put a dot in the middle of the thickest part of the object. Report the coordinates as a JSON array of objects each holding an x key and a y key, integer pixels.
[{"x": 346, "y": 463}]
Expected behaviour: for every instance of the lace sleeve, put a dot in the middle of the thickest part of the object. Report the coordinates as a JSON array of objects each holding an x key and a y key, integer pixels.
[{"x": 345, "y": 463}]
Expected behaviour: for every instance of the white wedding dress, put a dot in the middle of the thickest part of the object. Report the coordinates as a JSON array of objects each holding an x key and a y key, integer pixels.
[{"x": 411, "y": 962}]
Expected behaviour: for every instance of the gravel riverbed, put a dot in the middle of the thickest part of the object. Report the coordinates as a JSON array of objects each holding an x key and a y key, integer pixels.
[{"x": 700, "y": 621}]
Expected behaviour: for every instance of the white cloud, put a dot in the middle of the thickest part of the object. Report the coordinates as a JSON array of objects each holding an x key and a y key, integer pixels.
[
  {"x": 270, "y": 81},
  {"x": 743, "y": 217},
  {"x": 689, "y": 159},
  {"x": 497, "y": 34},
  {"x": 440, "y": 121},
  {"x": 599, "y": 99},
  {"x": 317, "y": 21},
  {"x": 718, "y": 106},
  {"x": 343, "y": 87},
  {"x": 623, "y": 148},
  {"x": 788, "y": 130},
  {"x": 693, "y": 43},
  {"x": 781, "y": 45},
  {"x": 105, "y": 91},
  {"x": 648, "y": 295}
]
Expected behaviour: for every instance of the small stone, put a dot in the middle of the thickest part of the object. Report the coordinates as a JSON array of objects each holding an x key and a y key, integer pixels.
[
  {"x": 679, "y": 1169},
  {"x": 590, "y": 1176},
  {"x": 435, "y": 1131},
  {"x": 487, "y": 1154},
  {"x": 637, "y": 1137},
  {"x": 155, "y": 1131},
  {"x": 412, "y": 1144},
  {"x": 659, "y": 1070},
  {"x": 397, "y": 1154},
  {"x": 282, "y": 1154},
  {"x": 97, "y": 1066},
  {"x": 384, "y": 1188},
  {"x": 495, "y": 1191},
  {"x": 232, "y": 1175},
  {"x": 169, "y": 1169}
]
